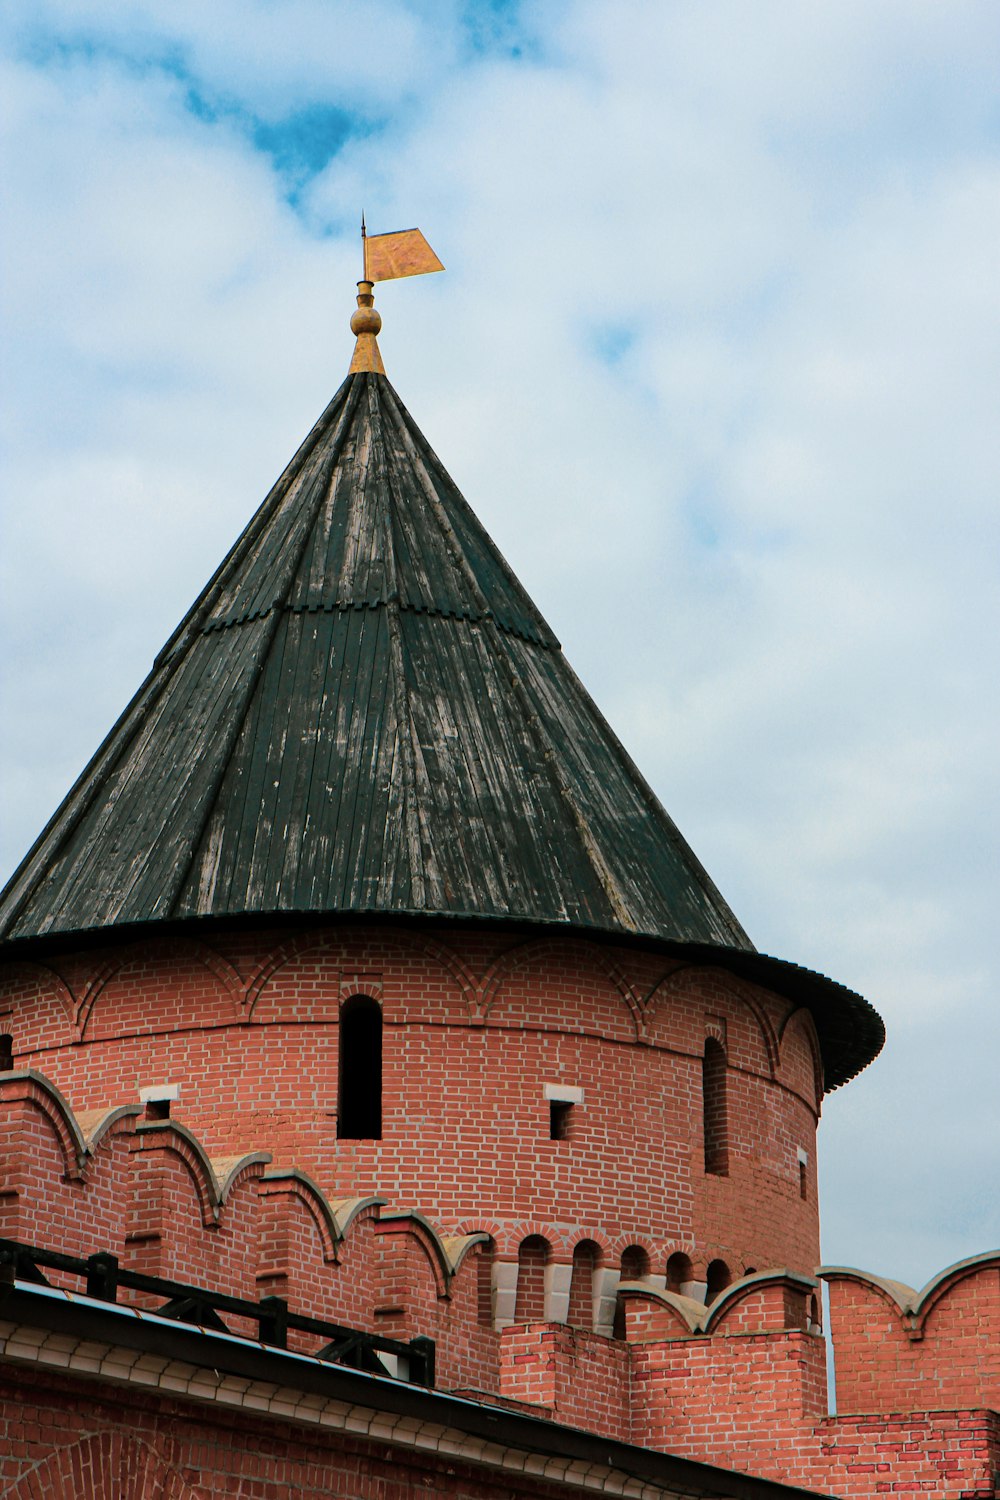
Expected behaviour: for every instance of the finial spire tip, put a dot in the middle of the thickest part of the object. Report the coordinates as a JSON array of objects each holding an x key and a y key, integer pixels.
[{"x": 385, "y": 257}]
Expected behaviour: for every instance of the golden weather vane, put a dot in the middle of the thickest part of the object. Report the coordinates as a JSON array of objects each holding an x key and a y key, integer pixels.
[{"x": 385, "y": 257}]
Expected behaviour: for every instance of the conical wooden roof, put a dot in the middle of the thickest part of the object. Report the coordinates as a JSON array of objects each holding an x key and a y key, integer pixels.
[{"x": 364, "y": 713}]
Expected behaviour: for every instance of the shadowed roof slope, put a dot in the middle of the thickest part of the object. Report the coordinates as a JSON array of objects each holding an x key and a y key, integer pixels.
[{"x": 365, "y": 713}]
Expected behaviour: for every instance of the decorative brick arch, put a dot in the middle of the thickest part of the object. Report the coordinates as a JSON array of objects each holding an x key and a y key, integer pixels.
[
  {"x": 284, "y": 1187},
  {"x": 312, "y": 941},
  {"x": 591, "y": 1237},
  {"x": 39, "y": 986},
  {"x": 282, "y": 954},
  {"x": 520, "y": 956},
  {"x": 734, "y": 988},
  {"x": 105, "y": 1464},
  {"x": 801, "y": 1021},
  {"x": 406, "y": 1228},
  {"x": 170, "y": 1138},
  {"x": 623, "y": 1242},
  {"x": 231, "y": 985}
]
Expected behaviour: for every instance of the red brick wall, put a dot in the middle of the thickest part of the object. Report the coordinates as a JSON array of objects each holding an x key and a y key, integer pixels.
[
  {"x": 66, "y": 1440},
  {"x": 946, "y": 1355},
  {"x": 474, "y": 1028},
  {"x": 578, "y": 1377},
  {"x": 747, "y": 1391}
]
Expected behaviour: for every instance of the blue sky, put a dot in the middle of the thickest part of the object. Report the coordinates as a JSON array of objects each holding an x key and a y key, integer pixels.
[{"x": 716, "y": 361}]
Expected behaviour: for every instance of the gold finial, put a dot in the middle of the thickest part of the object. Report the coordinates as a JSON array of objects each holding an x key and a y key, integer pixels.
[
  {"x": 366, "y": 323},
  {"x": 385, "y": 257}
]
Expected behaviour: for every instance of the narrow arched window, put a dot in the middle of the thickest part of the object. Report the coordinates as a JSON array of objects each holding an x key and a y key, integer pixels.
[
  {"x": 717, "y": 1278},
  {"x": 359, "y": 1105},
  {"x": 532, "y": 1258},
  {"x": 680, "y": 1272},
  {"x": 713, "y": 1099},
  {"x": 635, "y": 1263},
  {"x": 581, "y": 1287}
]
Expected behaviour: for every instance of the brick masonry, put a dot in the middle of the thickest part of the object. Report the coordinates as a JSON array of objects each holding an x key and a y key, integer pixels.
[
  {"x": 474, "y": 1029},
  {"x": 246, "y": 1189}
]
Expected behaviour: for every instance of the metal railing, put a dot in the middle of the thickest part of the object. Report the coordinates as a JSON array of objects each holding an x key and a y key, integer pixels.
[{"x": 104, "y": 1277}]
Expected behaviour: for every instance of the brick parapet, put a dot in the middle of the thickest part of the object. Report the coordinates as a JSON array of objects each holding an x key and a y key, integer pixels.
[{"x": 739, "y": 1384}]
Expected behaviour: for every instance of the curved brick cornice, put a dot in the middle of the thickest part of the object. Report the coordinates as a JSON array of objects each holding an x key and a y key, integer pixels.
[
  {"x": 175, "y": 1138},
  {"x": 913, "y": 1307},
  {"x": 38, "y": 1092}
]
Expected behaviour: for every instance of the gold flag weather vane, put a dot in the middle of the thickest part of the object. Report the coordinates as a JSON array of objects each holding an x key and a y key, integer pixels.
[{"x": 386, "y": 257}]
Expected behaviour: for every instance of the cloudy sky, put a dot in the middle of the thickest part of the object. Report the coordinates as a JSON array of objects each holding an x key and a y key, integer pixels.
[{"x": 716, "y": 359}]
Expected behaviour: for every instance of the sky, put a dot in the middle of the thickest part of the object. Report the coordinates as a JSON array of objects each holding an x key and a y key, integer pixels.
[{"x": 716, "y": 360}]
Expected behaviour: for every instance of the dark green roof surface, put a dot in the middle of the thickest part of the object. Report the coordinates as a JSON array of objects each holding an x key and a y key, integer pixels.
[{"x": 365, "y": 713}]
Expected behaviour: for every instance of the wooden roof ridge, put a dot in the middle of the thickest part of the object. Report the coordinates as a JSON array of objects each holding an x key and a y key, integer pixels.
[{"x": 363, "y": 713}]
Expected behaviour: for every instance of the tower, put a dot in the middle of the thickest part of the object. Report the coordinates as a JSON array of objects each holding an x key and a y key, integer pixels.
[
  {"x": 364, "y": 873},
  {"x": 361, "y": 994}
]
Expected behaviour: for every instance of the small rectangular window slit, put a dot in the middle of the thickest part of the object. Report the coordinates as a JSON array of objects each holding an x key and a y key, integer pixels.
[{"x": 559, "y": 1119}]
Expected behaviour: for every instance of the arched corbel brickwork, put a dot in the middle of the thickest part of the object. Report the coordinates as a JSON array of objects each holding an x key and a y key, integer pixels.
[
  {"x": 37, "y": 1007},
  {"x": 157, "y": 1011},
  {"x": 534, "y": 952},
  {"x": 699, "y": 989},
  {"x": 800, "y": 1023}
]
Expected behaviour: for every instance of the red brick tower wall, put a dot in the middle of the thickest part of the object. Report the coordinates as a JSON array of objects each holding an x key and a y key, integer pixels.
[{"x": 479, "y": 1033}]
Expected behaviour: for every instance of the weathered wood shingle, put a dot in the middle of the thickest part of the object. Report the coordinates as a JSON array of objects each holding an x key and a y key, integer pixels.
[{"x": 365, "y": 713}]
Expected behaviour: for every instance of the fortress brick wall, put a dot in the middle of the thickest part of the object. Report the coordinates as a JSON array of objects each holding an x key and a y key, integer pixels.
[
  {"x": 739, "y": 1381},
  {"x": 478, "y": 1033}
]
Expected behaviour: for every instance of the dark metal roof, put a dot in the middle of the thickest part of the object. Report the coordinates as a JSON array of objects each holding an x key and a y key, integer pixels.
[{"x": 365, "y": 713}]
